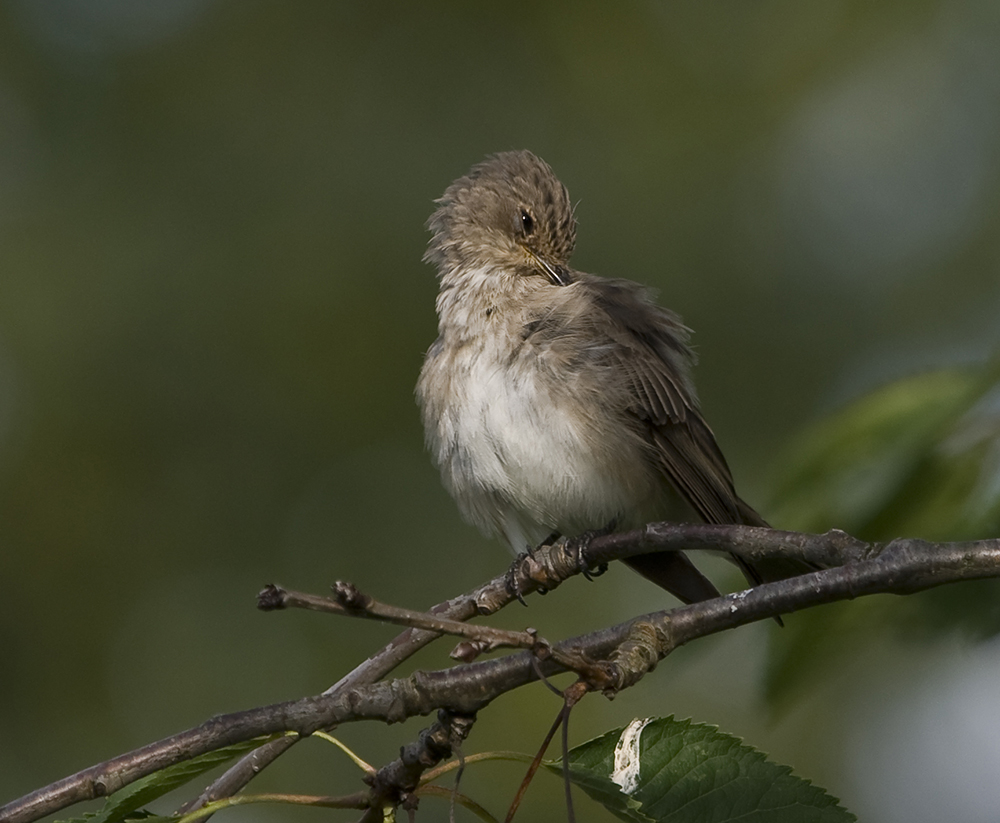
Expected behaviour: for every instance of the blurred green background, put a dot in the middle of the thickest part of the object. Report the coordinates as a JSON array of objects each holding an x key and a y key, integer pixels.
[{"x": 213, "y": 312}]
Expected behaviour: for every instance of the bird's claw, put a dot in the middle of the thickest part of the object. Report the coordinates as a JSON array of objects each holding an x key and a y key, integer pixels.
[
  {"x": 590, "y": 575},
  {"x": 510, "y": 578},
  {"x": 577, "y": 547}
]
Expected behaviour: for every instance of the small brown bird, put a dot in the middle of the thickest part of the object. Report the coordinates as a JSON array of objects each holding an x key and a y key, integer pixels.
[{"x": 557, "y": 402}]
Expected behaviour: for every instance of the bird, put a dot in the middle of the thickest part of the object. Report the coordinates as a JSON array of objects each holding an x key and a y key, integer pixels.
[{"x": 557, "y": 403}]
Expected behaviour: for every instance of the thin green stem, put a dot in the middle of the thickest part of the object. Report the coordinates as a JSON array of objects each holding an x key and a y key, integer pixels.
[
  {"x": 351, "y": 801},
  {"x": 367, "y": 768},
  {"x": 463, "y": 800},
  {"x": 433, "y": 774}
]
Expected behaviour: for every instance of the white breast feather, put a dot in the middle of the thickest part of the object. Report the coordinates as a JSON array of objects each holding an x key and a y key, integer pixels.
[{"x": 526, "y": 446}]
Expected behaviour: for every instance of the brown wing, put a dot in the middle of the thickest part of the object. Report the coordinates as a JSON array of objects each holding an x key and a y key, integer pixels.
[
  {"x": 653, "y": 355},
  {"x": 689, "y": 457},
  {"x": 651, "y": 352}
]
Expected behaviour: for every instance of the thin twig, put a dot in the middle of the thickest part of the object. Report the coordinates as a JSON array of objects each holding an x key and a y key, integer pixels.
[
  {"x": 533, "y": 767},
  {"x": 350, "y": 602},
  {"x": 379, "y": 665}
]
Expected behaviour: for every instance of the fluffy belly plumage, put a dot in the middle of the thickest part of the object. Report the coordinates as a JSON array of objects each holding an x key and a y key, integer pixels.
[{"x": 525, "y": 462}]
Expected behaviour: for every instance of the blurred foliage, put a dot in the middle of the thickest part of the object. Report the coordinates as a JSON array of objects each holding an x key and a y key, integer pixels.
[
  {"x": 213, "y": 312},
  {"x": 919, "y": 457}
]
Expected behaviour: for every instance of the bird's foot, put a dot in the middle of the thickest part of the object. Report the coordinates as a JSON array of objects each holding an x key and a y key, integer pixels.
[
  {"x": 576, "y": 549},
  {"x": 527, "y": 556},
  {"x": 510, "y": 578}
]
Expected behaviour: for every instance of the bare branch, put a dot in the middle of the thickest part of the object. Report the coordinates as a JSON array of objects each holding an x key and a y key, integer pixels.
[
  {"x": 350, "y": 602},
  {"x": 623, "y": 653},
  {"x": 376, "y": 667},
  {"x": 752, "y": 543}
]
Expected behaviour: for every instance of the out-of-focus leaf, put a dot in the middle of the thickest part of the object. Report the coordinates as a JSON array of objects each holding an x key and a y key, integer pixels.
[
  {"x": 848, "y": 469},
  {"x": 917, "y": 458},
  {"x": 682, "y": 772},
  {"x": 126, "y": 804}
]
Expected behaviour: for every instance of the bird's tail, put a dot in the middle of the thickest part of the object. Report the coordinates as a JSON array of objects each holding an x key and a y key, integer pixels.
[{"x": 674, "y": 572}]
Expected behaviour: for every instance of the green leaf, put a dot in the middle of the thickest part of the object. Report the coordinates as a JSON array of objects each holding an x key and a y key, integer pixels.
[
  {"x": 689, "y": 773},
  {"x": 850, "y": 471},
  {"x": 919, "y": 457},
  {"x": 127, "y": 803}
]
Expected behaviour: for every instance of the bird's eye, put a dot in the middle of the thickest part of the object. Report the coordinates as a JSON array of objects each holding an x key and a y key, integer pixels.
[{"x": 527, "y": 222}]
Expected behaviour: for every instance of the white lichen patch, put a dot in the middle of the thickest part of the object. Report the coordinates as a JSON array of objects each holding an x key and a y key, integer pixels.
[{"x": 626, "y": 771}]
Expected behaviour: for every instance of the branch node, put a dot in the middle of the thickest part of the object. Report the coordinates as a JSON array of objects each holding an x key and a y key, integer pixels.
[
  {"x": 644, "y": 646},
  {"x": 848, "y": 548},
  {"x": 350, "y": 596},
  {"x": 468, "y": 650},
  {"x": 271, "y": 598},
  {"x": 575, "y": 692},
  {"x": 396, "y": 781},
  {"x": 541, "y": 648}
]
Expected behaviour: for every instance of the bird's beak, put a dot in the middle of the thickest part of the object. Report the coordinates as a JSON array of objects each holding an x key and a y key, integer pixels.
[{"x": 556, "y": 275}]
